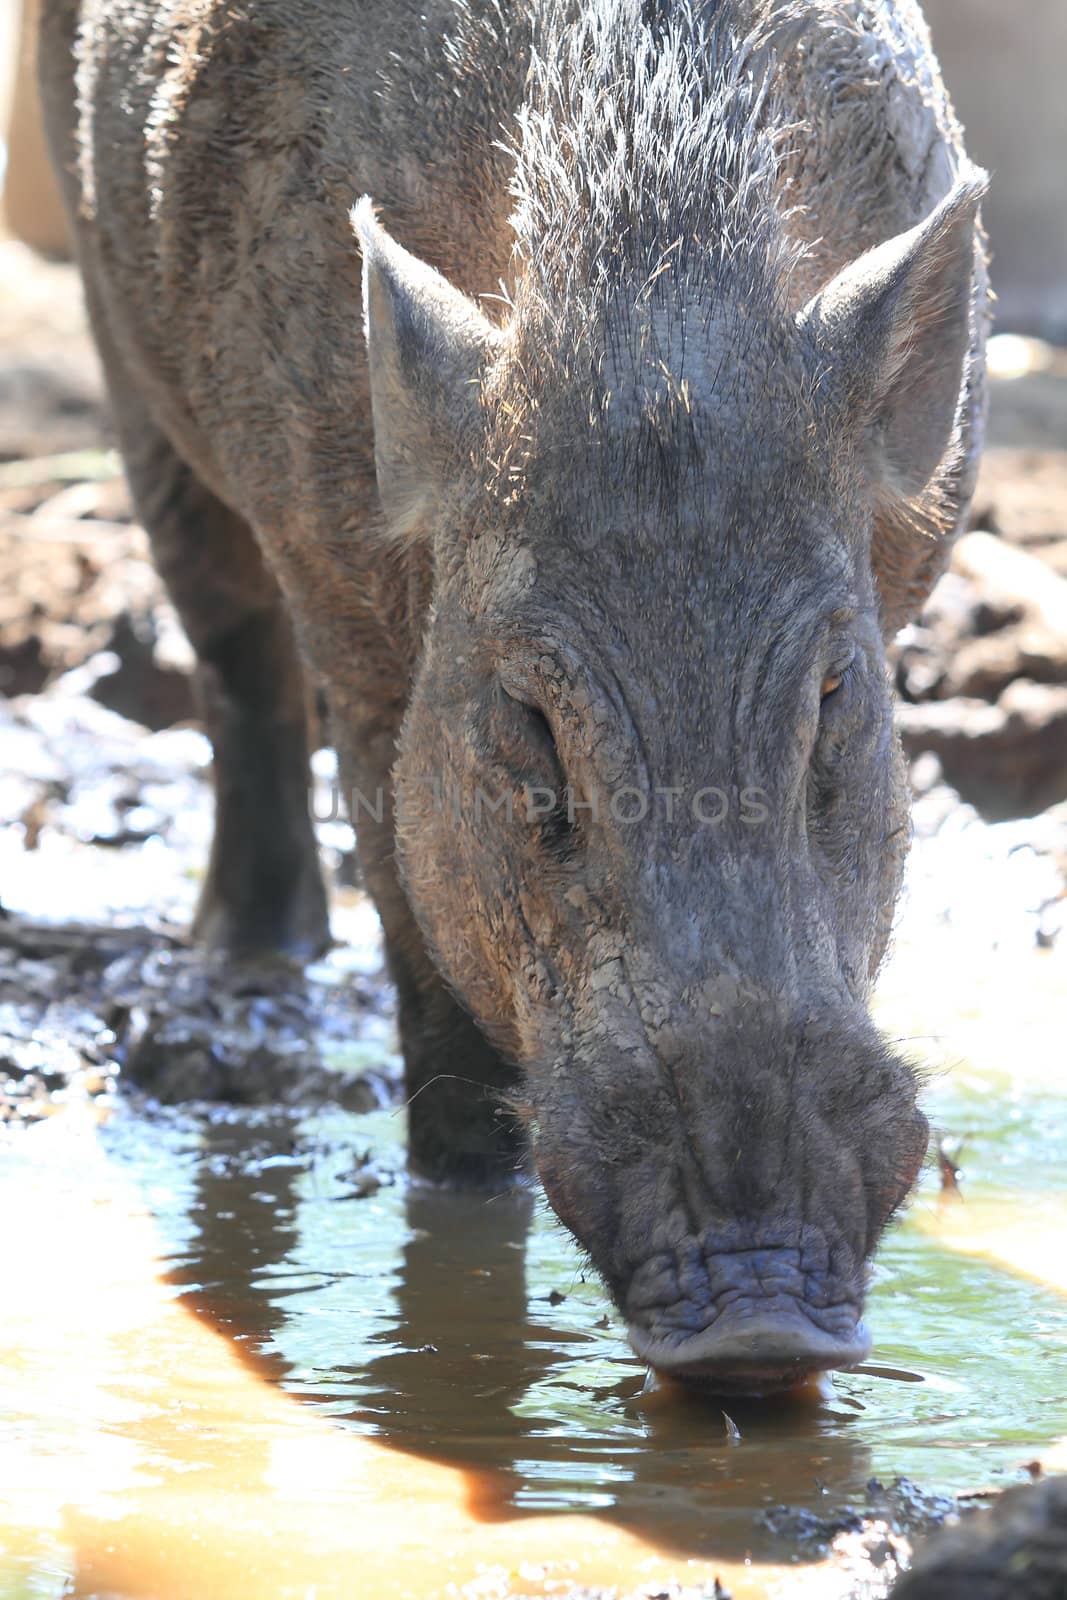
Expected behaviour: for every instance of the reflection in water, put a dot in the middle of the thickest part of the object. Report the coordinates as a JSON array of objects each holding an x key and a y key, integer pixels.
[
  {"x": 460, "y": 1331},
  {"x": 244, "y": 1210},
  {"x": 444, "y": 1350},
  {"x": 461, "y": 1335},
  {"x": 447, "y": 1378},
  {"x": 472, "y": 1378},
  {"x": 150, "y": 1463}
]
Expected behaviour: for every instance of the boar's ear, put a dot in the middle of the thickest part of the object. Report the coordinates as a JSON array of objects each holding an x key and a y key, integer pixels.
[
  {"x": 894, "y": 328},
  {"x": 427, "y": 345}
]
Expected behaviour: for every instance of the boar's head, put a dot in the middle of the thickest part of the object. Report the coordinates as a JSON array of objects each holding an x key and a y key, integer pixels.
[{"x": 652, "y": 810}]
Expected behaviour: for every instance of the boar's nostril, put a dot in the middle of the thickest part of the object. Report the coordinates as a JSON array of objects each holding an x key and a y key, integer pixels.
[{"x": 755, "y": 1351}]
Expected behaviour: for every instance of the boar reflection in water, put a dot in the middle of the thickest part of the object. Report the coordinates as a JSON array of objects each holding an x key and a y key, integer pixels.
[
  {"x": 469, "y": 1356},
  {"x": 644, "y": 526}
]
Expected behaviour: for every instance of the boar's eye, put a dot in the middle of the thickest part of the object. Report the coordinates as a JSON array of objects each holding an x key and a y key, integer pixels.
[
  {"x": 836, "y": 677},
  {"x": 838, "y": 708},
  {"x": 530, "y": 729},
  {"x": 530, "y": 749}
]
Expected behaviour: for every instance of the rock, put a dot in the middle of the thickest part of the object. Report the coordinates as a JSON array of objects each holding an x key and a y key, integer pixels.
[
  {"x": 1014, "y": 577},
  {"x": 983, "y": 668},
  {"x": 1015, "y": 1551},
  {"x": 1007, "y": 759},
  {"x": 1054, "y": 555},
  {"x": 959, "y": 610},
  {"x": 1023, "y": 493},
  {"x": 983, "y": 678}
]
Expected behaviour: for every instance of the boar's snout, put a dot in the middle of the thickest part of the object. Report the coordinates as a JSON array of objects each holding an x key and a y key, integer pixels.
[
  {"x": 748, "y": 1320},
  {"x": 757, "y": 1356},
  {"x": 733, "y": 1196}
]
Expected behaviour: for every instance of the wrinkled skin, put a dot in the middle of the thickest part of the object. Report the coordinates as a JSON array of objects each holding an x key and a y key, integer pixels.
[
  {"x": 713, "y": 1114},
  {"x": 597, "y": 580}
]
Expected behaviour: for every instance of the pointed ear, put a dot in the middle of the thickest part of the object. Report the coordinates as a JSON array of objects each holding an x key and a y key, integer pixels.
[
  {"x": 895, "y": 328},
  {"x": 427, "y": 346}
]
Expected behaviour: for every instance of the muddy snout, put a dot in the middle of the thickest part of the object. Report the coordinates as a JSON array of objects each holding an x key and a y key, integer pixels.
[
  {"x": 756, "y": 1355},
  {"x": 748, "y": 1319},
  {"x": 740, "y": 1188}
]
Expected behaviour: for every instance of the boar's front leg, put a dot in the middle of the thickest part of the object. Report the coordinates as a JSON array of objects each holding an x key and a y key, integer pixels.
[
  {"x": 460, "y": 1129},
  {"x": 264, "y": 889}
]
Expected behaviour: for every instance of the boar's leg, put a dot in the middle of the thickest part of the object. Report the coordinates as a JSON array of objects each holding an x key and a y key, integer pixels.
[
  {"x": 263, "y": 890},
  {"x": 460, "y": 1130}
]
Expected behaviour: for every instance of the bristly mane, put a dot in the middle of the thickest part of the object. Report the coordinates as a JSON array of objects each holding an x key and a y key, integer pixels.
[
  {"x": 645, "y": 131},
  {"x": 648, "y": 181}
]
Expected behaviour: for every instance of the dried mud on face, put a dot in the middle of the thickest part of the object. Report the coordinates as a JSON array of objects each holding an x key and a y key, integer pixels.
[{"x": 105, "y": 800}]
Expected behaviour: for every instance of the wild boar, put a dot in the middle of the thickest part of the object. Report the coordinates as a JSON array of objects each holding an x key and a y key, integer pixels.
[{"x": 661, "y": 411}]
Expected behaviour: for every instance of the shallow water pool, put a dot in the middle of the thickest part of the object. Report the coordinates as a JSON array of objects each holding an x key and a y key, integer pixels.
[{"x": 244, "y": 1357}]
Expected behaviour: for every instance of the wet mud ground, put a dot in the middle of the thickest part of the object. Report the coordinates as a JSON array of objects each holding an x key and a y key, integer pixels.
[{"x": 243, "y": 1356}]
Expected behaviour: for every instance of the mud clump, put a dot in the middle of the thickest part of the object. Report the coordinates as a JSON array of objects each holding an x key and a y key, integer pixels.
[
  {"x": 1015, "y": 1551},
  {"x": 190, "y": 1027},
  {"x": 82, "y": 1007}
]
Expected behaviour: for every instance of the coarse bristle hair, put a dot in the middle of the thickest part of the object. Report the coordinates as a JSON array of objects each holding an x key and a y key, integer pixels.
[{"x": 649, "y": 162}]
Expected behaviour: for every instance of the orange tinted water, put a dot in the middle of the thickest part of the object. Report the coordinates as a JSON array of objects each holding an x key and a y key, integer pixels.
[
  {"x": 185, "y": 1473},
  {"x": 227, "y": 1371}
]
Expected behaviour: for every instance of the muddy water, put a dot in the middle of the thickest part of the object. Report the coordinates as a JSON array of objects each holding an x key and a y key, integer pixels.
[
  {"x": 466, "y": 1331},
  {"x": 243, "y": 1357},
  {"x": 464, "y": 1335}
]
